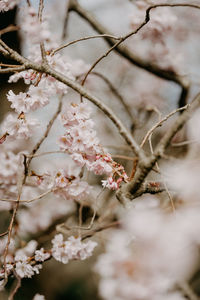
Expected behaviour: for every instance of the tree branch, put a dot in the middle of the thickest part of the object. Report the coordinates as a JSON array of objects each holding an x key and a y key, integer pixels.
[
  {"x": 144, "y": 167},
  {"x": 44, "y": 68},
  {"x": 127, "y": 54}
]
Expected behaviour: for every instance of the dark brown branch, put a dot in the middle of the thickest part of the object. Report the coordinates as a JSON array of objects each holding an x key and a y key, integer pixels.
[
  {"x": 144, "y": 167},
  {"x": 83, "y": 39},
  {"x": 116, "y": 93},
  {"x": 149, "y": 188},
  {"x": 64, "y": 32}
]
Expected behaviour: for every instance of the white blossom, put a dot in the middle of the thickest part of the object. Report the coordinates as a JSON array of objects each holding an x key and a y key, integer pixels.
[
  {"x": 73, "y": 248},
  {"x": 21, "y": 127},
  {"x": 41, "y": 255},
  {"x": 24, "y": 268}
]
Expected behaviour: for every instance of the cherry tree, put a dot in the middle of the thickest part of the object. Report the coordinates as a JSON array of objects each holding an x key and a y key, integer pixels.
[{"x": 81, "y": 176}]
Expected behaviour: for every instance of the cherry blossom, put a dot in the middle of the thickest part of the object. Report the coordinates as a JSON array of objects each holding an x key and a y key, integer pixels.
[
  {"x": 24, "y": 268},
  {"x": 81, "y": 143},
  {"x": 56, "y": 179},
  {"x": 73, "y": 248},
  {"x": 22, "y": 127},
  {"x": 41, "y": 255}
]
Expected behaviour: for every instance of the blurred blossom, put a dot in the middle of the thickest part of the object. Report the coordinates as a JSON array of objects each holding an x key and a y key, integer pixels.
[{"x": 149, "y": 255}]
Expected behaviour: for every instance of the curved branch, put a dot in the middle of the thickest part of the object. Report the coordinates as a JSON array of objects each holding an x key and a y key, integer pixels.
[{"x": 45, "y": 68}]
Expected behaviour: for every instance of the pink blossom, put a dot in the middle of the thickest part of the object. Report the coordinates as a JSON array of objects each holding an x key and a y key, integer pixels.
[
  {"x": 24, "y": 268},
  {"x": 73, "y": 248},
  {"x": 21, "y": 127},
  {"x": 35, "y": 98},
  {"x": 41, "y": 255},
  {"x": 81, "y": 142}
]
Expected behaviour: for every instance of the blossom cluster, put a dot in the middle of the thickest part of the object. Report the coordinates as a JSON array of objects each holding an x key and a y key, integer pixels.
[
  {"x": 41, "y": 87},
  {"x": 73, "y": 248},
  {"x": 27, "y": 261},
  {"x": 63, "y": 184},
  {"x": 81, "y": 142}
]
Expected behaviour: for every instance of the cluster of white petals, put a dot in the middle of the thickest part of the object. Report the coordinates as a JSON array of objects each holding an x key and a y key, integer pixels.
[
  {"x": 24, "y": 268},
  {"x": 21, "y": 127},
  {"x": 73, "y": 248},
  {"x": 6, "y": 5},
  {"x": 70, "y": 187},
  {"x": 36, "y": 97},
  {"x": 41, "y": 255},
  {"x": 26, "y": 261},
  {"x": 81, "y": 142}
]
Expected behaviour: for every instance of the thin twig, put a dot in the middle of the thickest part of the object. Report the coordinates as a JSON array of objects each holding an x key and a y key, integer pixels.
[
  {"x": 121, "y": 40},
  {"x": 12, "y": 69},
  {"x": 45, "y": 153},
  {"x": 10, "y": 28},
  {"x": 129, "y": 189},
  {"x": 64, "y": 32},
  {"x": 116, "y": 93},
  {"x": 163, "y": 179},
  {"x": 123, "y": 157},
  {"x": 83, "y": 39},
  {"x": 187, "y": 290},
  {"x": 18, "y": 285},
  {"x": 42, "y": 48},
  {"x": 10, "y": 228},
  {"x": 161, "y": 122},
  {"x": 30, "y": 200},
  {"x": 8, "y": 65},
  {"x": 184, "y": 143},
  {"x": 127, "y": 54},
  {"x": 49, "y": 126},
  {"x": 4, "y": 233}
]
